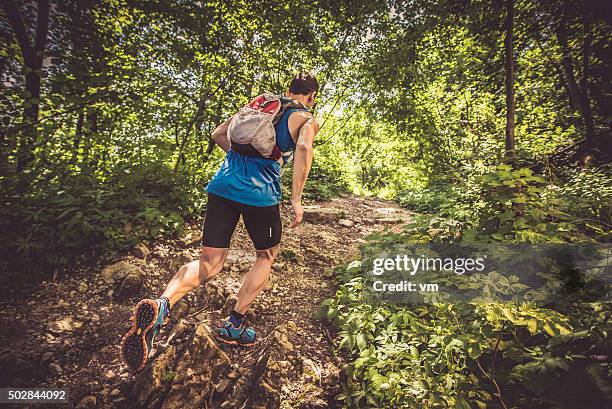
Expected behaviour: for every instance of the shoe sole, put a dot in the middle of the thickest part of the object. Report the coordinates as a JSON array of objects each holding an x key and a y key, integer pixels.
[
  {"x": 134, "y": 348},
  {"x": 234, "y": 342}
]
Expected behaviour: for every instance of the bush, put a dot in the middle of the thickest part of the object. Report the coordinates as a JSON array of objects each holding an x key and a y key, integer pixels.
[
  {"x": 55, "y": 222},
  {"x": 462, "y": 355}
]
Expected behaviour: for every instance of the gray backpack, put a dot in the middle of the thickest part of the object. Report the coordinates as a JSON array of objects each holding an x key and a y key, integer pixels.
[{"x": 251, "y": 131}]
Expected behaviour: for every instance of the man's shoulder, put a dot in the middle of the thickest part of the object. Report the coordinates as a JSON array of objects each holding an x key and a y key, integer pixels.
[{"x": 301, "y": 116}]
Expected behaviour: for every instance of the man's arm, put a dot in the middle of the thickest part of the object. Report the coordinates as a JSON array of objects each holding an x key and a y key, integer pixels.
[
  {"x": 302, "y": 161},
  {"x": 219, "y": 135}
]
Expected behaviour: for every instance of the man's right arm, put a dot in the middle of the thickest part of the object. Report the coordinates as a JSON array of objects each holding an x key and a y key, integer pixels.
[{"x": 219, "y": 135}]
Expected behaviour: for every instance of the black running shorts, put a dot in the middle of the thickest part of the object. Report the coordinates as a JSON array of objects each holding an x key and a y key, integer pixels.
[{"x": 262, "y": 223}]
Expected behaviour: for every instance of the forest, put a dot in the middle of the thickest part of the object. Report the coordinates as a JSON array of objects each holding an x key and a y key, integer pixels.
[{"x": 443, "y": 123}]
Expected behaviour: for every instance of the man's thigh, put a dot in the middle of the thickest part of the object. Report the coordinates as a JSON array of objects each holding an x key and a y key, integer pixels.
[
  {"x": 221, "y": 218},
  {"x": 264, "y": 225}
]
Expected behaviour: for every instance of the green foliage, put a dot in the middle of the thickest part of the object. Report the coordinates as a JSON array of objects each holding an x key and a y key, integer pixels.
[
  {"x": 457, "y": 355},
  {"x": 73, "y": 214}
]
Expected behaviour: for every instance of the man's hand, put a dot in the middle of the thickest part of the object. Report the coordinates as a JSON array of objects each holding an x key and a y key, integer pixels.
[{"x": 298, "y": 212}]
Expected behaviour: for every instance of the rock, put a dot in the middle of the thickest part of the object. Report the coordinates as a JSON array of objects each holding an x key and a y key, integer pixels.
[
  {"x": 260, "y": 386},
  {"x": 141, "y": 250},
  {"x": 130, "y": 286},
  {"x": 345, "y": 223},
  {"x": 388, "y": 220},
  {"x": 316, "y": 214},
  {"x": 177, "y": 378},
  {"x": 87, "y": 402},
  {"x": 288, "y": 255},
  {"x": 83, "y": 287},
  {"x": 116, "y": 272},
  {"x": 180, "y": 260},
  {"x": 125, "y": 279},
  {"x": 228, "y": 306},
  {"x": 66, "y": 324},
  {"x": 15, "y": 369},
  {"x": 222, "y": 385},
  {"x": 191, "y": 238},
  {"x": 115, "y": 393},
  {"x": 45, "y": 358},
  {"x": 109, "y": 375},
  {"x": 55, "y": 369},
  {"x": 179, "y": 311},
  {"x": 212, "y": 294},
  {"x": 250, "y": 315},
  {"x": 152, "y": 383}
]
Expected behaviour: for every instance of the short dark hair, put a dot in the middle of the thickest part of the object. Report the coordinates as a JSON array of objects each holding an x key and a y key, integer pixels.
[{"x": 303, "y": 84}]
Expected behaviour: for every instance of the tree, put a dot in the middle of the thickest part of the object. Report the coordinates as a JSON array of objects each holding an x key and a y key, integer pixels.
[
  {"x": 32, "y": 54},
  {"x": 510, "y": 102}
]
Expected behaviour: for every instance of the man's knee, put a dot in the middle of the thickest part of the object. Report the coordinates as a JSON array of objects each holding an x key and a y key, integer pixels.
[
  {"x": 268, "y": 254},
  {"x": 211, "y": 261}
]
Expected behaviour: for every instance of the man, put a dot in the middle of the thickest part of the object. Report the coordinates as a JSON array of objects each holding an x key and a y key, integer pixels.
[{"x": 247, "y": 186}]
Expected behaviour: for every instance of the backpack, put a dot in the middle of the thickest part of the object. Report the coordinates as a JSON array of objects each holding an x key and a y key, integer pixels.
[{"x": 251, "y": 131}]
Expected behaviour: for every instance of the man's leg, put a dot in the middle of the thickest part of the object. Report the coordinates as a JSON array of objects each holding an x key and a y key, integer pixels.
[
  {"x": 265, "y": 229},
  {"x": 255, "y": 279},
  {"x": 149, "y": 315},
  {"x": 192, "y": 274}
]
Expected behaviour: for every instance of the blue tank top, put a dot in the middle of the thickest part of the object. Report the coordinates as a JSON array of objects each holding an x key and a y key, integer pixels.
[{"x": 253, "y": 180}]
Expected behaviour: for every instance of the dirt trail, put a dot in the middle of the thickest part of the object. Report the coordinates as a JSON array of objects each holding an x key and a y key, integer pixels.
[{"x": 66, "y": 334}]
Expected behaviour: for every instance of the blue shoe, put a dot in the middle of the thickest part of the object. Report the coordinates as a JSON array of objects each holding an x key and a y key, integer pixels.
[
  {"x": 147, "y": 319},
  {"x": 240, "y": 335}
]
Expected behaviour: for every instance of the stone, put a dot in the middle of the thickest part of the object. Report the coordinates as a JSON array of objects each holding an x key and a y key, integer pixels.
[
  {"x": 388, "y": 220},
  {"x": 15, "y": 369},
  {"x": 66, "y": 324},
  {"x": 228, "y": 306},
  {"x": 250, "y": 315},
  {"x": 179, "y": 310},
  {"x": 191, "y": 238},
  {"x": 45, "y": 358},
  {"x": 222, "y": 385},
  {"x": 317, "y": 214},
  {"x": 180, "y": 260},
  {"x": 125, "y": 279},
  {"x": 177, "y": 378},
  {"x": 109, "y": 375},
  {"x": 116, "y": 272},
  {"x": 115, "y": 393},
  {"x": 87, "y": 402},
  {"x": 212, "y": 294},
  {"x": 130, "y": 286},
  {"x": 141, "y": 250},
  {"x": 55, "y": 369},
  {"x": 260, "y": 386},
  {"x": 345, "y": 223}
]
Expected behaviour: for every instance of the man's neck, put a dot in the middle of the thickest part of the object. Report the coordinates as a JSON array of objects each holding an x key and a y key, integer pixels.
[{"x": 299, "y": 98}]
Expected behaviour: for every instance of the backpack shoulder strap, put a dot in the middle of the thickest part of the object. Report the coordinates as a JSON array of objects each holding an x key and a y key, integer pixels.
[{"x": 288, "y": 103}]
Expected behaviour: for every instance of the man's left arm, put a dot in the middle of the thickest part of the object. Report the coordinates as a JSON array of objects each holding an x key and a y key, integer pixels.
[{"x": 302, "y": 162}]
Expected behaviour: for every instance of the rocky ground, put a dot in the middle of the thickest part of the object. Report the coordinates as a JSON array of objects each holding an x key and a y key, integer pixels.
[{"x": 66, "y": 332}]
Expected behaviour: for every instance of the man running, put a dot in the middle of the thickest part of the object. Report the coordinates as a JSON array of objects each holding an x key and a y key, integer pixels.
[{"x": 247, "y": 186}]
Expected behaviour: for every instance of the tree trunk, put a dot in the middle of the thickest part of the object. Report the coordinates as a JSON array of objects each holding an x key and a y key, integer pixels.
[
  {"x": 510, "y": 102},
  {"x": 78, "y": 135},
  {"x": 578, "y": 95},
  {"x": 32, "y": 58},
  {"x": 91, "y": 130},
  {"x": 584, "y": 84}
]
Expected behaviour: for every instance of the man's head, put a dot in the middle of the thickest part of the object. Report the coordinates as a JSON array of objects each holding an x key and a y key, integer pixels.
[{"x": 304, "y": 88}]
